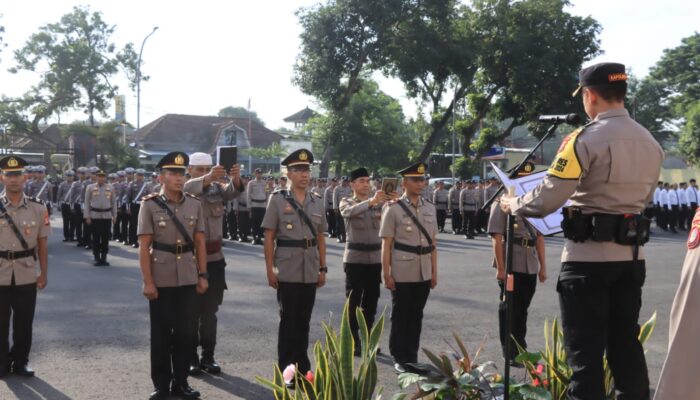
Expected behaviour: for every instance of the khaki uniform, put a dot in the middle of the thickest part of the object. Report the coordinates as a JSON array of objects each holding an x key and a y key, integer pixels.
[
  {"x": 524, "y": 257},
  {"x": 407, "y": 266},
  {"x": 453, "y": 205},
  {"x": 100, "y": 201},
  {"x": 440, "y": 200},
  {"x": 169, "y": 269},
  {"x": 677, "y": 380},
  {"x": 362, "y": 222},
  {"x": 256, "y": 194},
  {"x": 31, "y": 218},
  {"x": 295, "y": 264},
  {"x": 135, "y": 192},
  {"x": 468, "y": 207},
  {"x": 330, "y": 213},
  {"x": 339, "y": 193}
]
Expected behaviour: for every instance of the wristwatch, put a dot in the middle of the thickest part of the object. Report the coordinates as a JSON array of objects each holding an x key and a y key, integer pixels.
[
  {"x": 204, "y": 275},
  {"x": 323, "y": 269}
]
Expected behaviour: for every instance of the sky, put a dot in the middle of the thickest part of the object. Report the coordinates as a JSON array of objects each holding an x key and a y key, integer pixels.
[{"x": 209, "y": 54}]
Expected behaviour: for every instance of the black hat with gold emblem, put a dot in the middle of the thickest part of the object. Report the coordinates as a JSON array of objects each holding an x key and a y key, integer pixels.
[
  {"x": 100, "y": 173},
  {"x": 526, "y": 169},
  {"x": 299, "y": 157},
  {"x": 359, "y": 173},
  {"x": 176, "y": 160},
  {"x": 416, "y": 170},
  {"x": 612, "y": 74},
  {"x": 12, "y": 164}
]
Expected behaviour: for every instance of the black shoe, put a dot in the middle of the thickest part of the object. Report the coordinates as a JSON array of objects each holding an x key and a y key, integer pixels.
[
  {"x": 4, "y": 371},
  {"x": 159, "y": 395},
  {"x": 135, "y": 245},
  {"x": 66, "y": 240},
  {"x": 126, "y": 243},
  {"x": 104, "y": 262},
  {"x": 23, "y": 370},
  {"x": 80, "y": 244},
  {"x": 88, "y": 247},
  {"x": 195, "y": 370},
  {"x": 234, "y": 238},
  {"x": 399, "y": 368},
  {"x": 97, "y": 263},
  {"x": 184, "y": 392},
  {"x": 210, "y": 366},
  {"x": 258, "y": 241}
]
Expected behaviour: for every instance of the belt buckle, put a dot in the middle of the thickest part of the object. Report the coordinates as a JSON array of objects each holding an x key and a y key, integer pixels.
[
  {"x": 307, "y": 243},
  {"x": 179, "y": 249},
  {"x": 523, "y": 242},
  {"x": 10, "y": 255}
]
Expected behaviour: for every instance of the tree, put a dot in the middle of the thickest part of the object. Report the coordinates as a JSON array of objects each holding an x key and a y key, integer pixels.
[
  {"x": 239, "y": 112},
  {"x": 110, "y": 147},
  {"x": 648, "y": 103},
  {"x": 679, "y": 70},
  {"x": 527, "y": 65},
  {"x": 371, "y": 133},
  {"x": 2, "y": 32},
  {"x": 274, "y": 150},
  {"x": 76, "y": 60},
  {"x": 340, "y": 41},
  {"x": 690, "y": 134}
]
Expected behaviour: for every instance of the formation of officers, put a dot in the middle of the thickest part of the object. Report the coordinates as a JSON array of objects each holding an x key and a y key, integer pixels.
[{"x": 673, "y": 205}]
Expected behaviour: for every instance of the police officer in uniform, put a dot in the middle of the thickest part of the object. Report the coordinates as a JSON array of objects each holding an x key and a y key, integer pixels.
[
  {"x": 24, "y": 232},
  {"x": 173, "y": 259},
  {"x": 243, "y": 214},
  {"x": 468, "y": 208},
  {"x": 63, "y": 198},
  {"x": 362, "y": 257},
  {"x": 340, "y": 193},
  {"x": 528, "y": 265},
  {"x": 328, "y": 204},
  {"x": 440, "y": 201},
  {"x": 257, "y": 200},
  {"x": 100, "y": 213},
  {"x": 453, "y": 206},
  {"x": 118, "y": 186},
  {"x": 137, "y": 190},
  {"x": 409, "y": 262},
  {"x": 206, "y": 183},
  {"x": 608, "y": 169},
  {"x": 124, "y": 226},
  {"x": 295, "y": 258}
]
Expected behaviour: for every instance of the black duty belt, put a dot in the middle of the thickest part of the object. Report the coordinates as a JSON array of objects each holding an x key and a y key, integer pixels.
[
  {"x": 176, "y": 249},
  {"x": 100, "y": 209},
  {"x": 258, "y": 201},
  {"x": 441, "y": 202},
  {"x": 303, "y": 243},
  {"x": 12, "y": 255},
  {"x": 364, "y": 246},
  {"x": 524, "y": 242},
  {"x": 420, "y": 250}
]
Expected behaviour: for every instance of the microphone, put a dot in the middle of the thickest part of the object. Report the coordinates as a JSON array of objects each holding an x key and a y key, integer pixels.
[{"x": 571, "y": 119}]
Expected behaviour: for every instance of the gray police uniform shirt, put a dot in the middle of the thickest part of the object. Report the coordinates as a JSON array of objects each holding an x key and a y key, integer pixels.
[
  {"x": 468, "y": 200},
  {"x": 611, "y": 166},
  {"x": 295, "y": 264},
  {"x": 168, "y": 269},
  {"x": 40, "y": 190},
  {"x": 318, "y": 191},
  {"x": 137, "y": 191},
  {"x": 63, "y": 194},
  {"x": 256, "y": 194},
  {"x": 427, "y": 193},
  {"x": 407, "y": 266},
  {"x": 100, "y": 197},
  {"x": 213, "y": 201},
  {"x": 340, "y": 193},
  {"x": 362, "y": 226},
  {"x": 76, "y": 191},
  {"x": 440, "y": 197},
  {"x": 328, "y": 197},
  {"x": 453, "y": 198},
  {"x": 32, "y": 219},
  {"x": 524, "y": 258}
]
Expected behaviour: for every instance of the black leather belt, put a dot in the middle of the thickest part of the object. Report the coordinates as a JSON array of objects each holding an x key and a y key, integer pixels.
[
  {"x": 420, "y": 250},
  {"x": 364, "y": 246},
  {"x": 303, "y": 243},
  {"x": 524, "y": 242},
  {"x": 100, "y": 209},
  {"x": 13, "y": 255},
  {"x": 176, "y": 249},
  {"x": 258, "y": 201},
  {"x": 441, "y": 202}
]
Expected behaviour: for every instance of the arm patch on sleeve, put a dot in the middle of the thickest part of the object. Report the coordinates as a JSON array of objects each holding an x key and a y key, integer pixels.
[{"x": 566, "y": 164}]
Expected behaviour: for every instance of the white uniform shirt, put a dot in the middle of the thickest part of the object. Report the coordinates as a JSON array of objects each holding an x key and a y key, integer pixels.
[
  {"x": 663, "y": 198},
  {"x": 683, "y": 196},
  {"x": 673, "y": 198}
]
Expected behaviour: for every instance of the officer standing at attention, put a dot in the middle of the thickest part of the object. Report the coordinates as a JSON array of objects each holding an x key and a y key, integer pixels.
[
  {"x": 173, "y": 259},
  {"x": 63, "y": 198},
  {"x": 23, "y": 242},
  {"x": 100, "y": 213},
  {"x": 409, "y": 262},
  {"x": 87, "y": 233},
  {"x": 243, "y": 213},
  {"x": 295, "y": 258},
  {"x": 362, "y": 258},
  {"x": 453, "y": 206},
  {"x": 137, "y": 190},
  {"x": 440, "y": 201},
  {"x": 206, "y": 183},
  {"x": 257, "y": 201},
  {"x": 328, "y": 204},
  {"x": 40, "y": 187},
  {"x": 468, "y": 208},
  {"x": 528, "y": 265},
  {"x": 118, "y": 186},
  {"x": 340, "y": 193},
  {"x": 608, "y": 169},
  {"x": 76, "y": 201}
]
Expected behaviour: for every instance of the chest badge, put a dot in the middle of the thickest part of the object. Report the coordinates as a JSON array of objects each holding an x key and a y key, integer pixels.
[
  {"x": 290, "y": 226},
  {"x": 288, "y": 210},
  {"x": 409, "y": 229}
]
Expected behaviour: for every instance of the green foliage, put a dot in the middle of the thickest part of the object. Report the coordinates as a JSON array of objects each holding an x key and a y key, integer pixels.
[
  {"x": 679, "y": 70},
  {"x": 111, "y": 150},
  {"x": 335, "y": 377},
  {"x": 275, "y": 150},
  {"x": 548, "y": 369},
  {"x": 689, "y": 142},
  {"x": 465, "y": 167},
  {"x": 76, "y": 60},
  {"x": 2, "y": 32},
  {"x": 240, "y": 112},
  {"x": 648, "y": 103}
]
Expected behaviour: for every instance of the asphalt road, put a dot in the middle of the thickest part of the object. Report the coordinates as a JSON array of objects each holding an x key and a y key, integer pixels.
[{"x": 91, "y": 328}]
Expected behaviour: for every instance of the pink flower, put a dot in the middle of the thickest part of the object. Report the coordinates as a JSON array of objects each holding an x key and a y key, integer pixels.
[
  {"x": 540, "y": 368},
  {"x": 545, "y": 383},
  {"x": 310, "y": 377},
  {"x": 536, "y": 382},
  {"x": 289, "y": 372}
]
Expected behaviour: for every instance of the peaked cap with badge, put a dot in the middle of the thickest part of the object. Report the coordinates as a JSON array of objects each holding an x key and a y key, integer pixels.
[{"x": 176, "y": 161}]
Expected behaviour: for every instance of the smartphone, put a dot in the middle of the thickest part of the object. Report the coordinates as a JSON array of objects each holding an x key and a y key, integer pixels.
[
  {"x": 227, "y": 156},
  {"x": 389, "y": 185}
]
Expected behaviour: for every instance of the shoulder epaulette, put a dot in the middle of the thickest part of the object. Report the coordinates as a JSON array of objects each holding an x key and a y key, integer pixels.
[
  {"x": 191, "y": 195},
  {"x": 149, "y": 196},
  {"x": 318, "y": 196},
  {"x": 283, "y": 192},
  {"x": 35, "y": 200}
]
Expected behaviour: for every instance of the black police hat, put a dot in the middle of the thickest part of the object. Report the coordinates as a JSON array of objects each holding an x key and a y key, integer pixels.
[
  {"x": 359, "y": 173},
  {"x": 12, "y": 164},
  {"x": 100, "y": 173},
  {"x": 299, "y": 157},
  {"x": 526, "y": 169},
  {"x": 176, "y": 160},
  {"x": 601, "y": 74},
  {"x": 258, "y": 170},
  {"x": 415, "y": 170},
  {"x": 345, "y": 179}
]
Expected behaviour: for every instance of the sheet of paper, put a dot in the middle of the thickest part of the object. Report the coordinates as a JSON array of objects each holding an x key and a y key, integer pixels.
[{"x": 549, "y": 225}]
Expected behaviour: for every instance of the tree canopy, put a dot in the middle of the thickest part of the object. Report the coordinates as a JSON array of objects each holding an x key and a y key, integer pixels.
[{"x": 239, "y": 112}]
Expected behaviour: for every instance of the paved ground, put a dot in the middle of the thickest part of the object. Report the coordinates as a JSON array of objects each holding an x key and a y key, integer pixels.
[{"x": 91, "y": 328}]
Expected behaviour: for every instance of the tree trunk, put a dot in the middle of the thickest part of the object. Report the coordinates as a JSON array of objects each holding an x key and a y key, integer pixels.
[
  {"x": 436, "y": 127},
  {"x": 338, "y": 168},
  {"x": 325, "y": 161}
]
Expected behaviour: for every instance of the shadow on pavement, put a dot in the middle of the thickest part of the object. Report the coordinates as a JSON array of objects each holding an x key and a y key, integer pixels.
[
  {"x": 236, "y": 386},
  {"x": 34, "y": 389}
]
